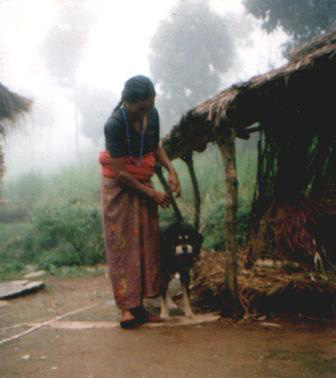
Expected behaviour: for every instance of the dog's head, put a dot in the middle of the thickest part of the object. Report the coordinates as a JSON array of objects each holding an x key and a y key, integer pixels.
[{"x": 183, "y": 240}]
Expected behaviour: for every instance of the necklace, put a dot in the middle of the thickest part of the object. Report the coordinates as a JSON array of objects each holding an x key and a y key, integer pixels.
[{"x": 136, "y": 161}]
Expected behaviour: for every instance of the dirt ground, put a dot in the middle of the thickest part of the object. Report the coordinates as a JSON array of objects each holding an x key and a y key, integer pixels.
[{"x": 89, "y": 343}]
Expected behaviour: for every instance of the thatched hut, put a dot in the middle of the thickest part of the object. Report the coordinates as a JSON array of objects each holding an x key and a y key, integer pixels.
[
  {"x": 304, "y": 84},
  {"x": 12, "y": 106},
  {"x": 292, "y": 110}
]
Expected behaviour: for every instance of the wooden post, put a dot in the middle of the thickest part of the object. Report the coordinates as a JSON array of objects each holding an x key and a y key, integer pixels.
[
  {"x": 227, "y": 148},
  {"x": 197, "y": 195},
  {"x": 2, "y": 167}
]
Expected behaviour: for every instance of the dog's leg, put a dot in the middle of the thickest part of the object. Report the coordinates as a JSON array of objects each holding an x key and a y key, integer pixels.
[
  {"x": 186, "y": 303},
  {"x": 170, "y": 303},
  {"x": 169, "y": 297},
  {"x": 185, "y": 281},
  {"x": 164, "y": 314}
]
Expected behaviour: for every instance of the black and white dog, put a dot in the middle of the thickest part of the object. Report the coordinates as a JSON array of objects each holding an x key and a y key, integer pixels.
[{"x": 180, "y": 244}]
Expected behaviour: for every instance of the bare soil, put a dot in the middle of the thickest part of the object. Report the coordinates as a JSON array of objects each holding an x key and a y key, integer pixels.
[{"x": 224, "y": 348}]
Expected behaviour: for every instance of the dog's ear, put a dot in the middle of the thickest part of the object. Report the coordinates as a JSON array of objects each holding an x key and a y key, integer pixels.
[
  {"x": 171, "y": 231},
  {"x": 167, "y": 234}
]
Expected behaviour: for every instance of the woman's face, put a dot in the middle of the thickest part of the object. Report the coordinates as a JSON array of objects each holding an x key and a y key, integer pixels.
[{"x": 137, "y": 110}]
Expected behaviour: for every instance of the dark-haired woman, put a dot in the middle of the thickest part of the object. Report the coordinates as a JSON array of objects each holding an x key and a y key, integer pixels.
[{"x": 129, "y": 200}]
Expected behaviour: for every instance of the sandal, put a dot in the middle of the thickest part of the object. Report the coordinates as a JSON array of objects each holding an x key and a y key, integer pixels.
[
  {"x": 129, "y": 324},
  {"x": 142, "y": 316}
]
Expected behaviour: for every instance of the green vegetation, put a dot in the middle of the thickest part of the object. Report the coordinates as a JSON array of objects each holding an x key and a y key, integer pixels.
[{"x": 54, "y": 220}]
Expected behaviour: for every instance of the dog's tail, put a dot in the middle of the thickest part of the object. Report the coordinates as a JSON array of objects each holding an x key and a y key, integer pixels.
[{"x": 158, "y": 171}]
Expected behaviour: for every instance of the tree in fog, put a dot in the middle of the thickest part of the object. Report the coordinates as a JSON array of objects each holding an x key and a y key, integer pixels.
[
  {"x": 63, "y": 49},
  {"x": 95, "y": 105},
  {"x": 301, "y": 19},
  {"x": 64, "y": 44},
  {"x": 189, "y": 54}
]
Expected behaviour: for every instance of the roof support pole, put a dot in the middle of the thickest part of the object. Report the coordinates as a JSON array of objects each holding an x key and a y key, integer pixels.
[
  {"x": 197, "y": 195},
  {"x": 228, "y": 153},
  {"x": 2, "y": 168}
]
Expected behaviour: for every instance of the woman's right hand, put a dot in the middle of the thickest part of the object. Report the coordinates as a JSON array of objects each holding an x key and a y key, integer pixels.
[{"x": 162, "y": 199}]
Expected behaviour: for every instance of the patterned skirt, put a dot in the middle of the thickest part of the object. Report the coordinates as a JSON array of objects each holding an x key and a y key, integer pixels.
[{"x": 131, "y": 235}]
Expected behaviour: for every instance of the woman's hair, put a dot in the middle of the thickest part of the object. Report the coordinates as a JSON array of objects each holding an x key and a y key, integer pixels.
[{"x": 137, "y": 88}]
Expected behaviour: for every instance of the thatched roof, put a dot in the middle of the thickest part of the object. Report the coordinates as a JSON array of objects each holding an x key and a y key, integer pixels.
[
  {"x": 305, "y": 83},
  {"x": 12, "y": 105}
]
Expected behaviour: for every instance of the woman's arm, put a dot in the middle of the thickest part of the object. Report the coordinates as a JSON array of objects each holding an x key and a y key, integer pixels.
[
  {"x": 126, "y": 178},
  {"x": 162, "y": 158}
]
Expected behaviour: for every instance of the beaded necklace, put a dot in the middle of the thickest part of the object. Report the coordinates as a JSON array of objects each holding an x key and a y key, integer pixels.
[{"x": 137, "y": 161}]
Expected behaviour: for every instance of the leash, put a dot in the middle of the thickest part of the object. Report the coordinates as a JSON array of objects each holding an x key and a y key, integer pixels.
[
  {"x": 197, "y": 196},
  {"x": 158, "y": 171}
]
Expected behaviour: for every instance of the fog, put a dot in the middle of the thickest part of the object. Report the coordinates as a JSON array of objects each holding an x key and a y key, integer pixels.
[{"x": 73, "y": 57}]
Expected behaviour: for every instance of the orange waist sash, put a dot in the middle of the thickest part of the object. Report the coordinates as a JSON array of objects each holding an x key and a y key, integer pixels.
[{"x": 142, "y": 170}]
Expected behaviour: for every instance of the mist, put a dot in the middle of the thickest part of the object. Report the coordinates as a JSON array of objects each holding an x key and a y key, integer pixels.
[{"x": 72, "y": 58}]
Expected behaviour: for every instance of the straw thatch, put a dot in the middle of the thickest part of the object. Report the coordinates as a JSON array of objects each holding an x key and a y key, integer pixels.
[
  {"x": 305, "y": 82},
  {"x": 269, "y": 290},
  {"x": 12, "y": 106}
]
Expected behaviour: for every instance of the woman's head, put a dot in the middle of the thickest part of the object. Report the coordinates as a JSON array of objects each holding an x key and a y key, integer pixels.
[
  {"x": 138, "y": 88},
  {"x": 138, "y": 96}
]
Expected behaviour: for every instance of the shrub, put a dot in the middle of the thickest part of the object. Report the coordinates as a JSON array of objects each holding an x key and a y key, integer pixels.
[
  {"x": 10, "y": 267},
  {"x": 57, "y": 236},
  {"x": 62, "y": 255},
  {"x": 72, "y": 234}
]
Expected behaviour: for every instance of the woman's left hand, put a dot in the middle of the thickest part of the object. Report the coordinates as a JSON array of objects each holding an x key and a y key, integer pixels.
[{"x": 174, "y": 183}]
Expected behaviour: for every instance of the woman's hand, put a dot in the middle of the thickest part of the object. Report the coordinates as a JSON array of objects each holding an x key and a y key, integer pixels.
[
  {"x": 174, "y": 183},
  {"x": 162, "y": 199}
]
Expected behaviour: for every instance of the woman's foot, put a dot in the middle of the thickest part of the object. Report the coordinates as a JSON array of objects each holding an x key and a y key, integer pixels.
[
  {"x": 128, "y": 320},
  {"x": 142, "y": 316}
]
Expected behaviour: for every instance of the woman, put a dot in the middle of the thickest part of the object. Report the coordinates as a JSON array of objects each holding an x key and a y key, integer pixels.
[{"x": 129, "y": 200}]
